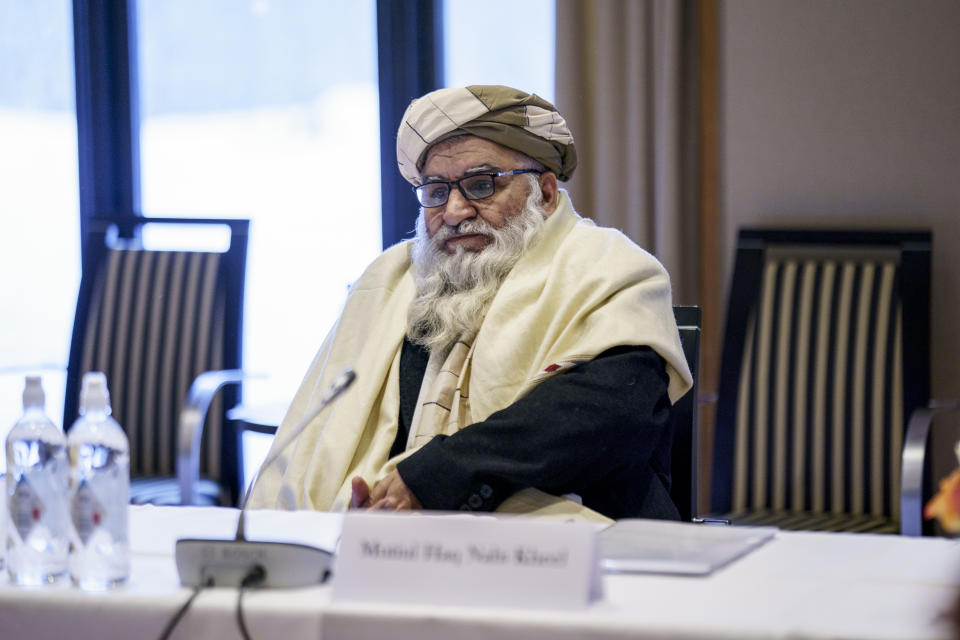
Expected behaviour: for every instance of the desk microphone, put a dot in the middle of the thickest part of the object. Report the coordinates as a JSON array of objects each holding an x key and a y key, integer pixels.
[{"x": 229, "y": 563}]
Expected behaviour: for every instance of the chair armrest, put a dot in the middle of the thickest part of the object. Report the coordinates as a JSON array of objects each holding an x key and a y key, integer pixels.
[
  {"x": 714, "y": 522},
  {"x": 261, "y": 418},
  {"x": 190, "y": 426},
  {"x": 913, "y": 463}
]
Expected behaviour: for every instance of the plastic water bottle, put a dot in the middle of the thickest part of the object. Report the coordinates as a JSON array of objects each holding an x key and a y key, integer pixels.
[
  {"x": 37, "y": 480},
  {"x": 99, "y": 491}
]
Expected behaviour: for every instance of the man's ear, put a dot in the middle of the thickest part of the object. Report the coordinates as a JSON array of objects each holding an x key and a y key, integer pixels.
[{"x": 550, "y": 190}]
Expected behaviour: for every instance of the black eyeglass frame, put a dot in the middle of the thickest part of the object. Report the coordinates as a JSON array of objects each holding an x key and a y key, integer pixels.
[{"x": 452, "y": 183}]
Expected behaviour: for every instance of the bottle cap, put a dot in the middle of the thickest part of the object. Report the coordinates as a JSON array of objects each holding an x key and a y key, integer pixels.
[
  {"x": 33, "y": 397},
  {"x": 94, "y": 395}
]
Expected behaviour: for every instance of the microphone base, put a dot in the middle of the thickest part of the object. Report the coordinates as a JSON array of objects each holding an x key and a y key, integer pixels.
[{"x": 226, "y": 563}]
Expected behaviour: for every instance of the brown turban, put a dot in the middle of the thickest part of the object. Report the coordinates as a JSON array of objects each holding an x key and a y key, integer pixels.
[{"x": 517, "y": 120}]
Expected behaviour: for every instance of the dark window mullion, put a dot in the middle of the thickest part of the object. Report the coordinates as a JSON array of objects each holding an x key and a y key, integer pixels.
[
  {"x": 108, "y": 141},
  {"x": 410, "y": 58}
]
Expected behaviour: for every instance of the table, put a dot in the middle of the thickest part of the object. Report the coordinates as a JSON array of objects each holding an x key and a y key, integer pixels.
[{"x": 800, "y": 585}]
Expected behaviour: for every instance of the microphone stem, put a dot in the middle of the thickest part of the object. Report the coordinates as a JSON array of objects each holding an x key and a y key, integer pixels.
[{"x": 339, "y": 385}]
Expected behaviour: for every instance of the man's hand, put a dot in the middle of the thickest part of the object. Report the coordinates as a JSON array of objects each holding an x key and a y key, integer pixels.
[
  {"x": 391, "y": 493},
  {"x": 361, "y": 493}
]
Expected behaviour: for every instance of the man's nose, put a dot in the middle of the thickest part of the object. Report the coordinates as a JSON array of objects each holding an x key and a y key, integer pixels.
[{"x": 457, "y": 209}]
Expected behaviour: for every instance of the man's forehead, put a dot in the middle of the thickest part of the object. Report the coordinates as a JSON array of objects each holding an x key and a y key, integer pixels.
[{"x": 468, "y": 154}]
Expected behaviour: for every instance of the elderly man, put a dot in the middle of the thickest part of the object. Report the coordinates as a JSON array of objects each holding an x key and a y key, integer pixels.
[{"x": 512, "y": 356}]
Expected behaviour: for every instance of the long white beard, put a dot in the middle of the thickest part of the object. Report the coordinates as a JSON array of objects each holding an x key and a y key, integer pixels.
[{"x": 455, "y": 290}]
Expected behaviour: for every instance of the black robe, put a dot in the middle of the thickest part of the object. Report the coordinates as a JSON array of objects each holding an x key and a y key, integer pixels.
[{"x": 600, "y": 430}]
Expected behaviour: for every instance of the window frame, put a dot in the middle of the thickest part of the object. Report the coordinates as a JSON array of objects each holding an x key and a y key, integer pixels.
[{"x": 410, "y": 48}]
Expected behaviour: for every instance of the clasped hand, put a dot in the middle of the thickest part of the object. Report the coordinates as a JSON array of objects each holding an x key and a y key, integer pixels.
[{"x": 390, "y": 494}]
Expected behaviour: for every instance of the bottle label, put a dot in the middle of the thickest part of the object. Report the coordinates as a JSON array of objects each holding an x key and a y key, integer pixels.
[
  {"x": 26, "y": 508},
  {"x": 86, "y": 512}
]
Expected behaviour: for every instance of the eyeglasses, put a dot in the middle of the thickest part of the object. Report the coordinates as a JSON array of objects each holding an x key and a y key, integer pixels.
[{"x": 474, "y": 187}]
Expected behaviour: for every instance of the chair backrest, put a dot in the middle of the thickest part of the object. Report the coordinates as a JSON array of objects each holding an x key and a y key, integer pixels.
[
  {"x": 683, "y": 418},
  {"x": 826, "y": 353},
  {"x": 153, "y": 320}
]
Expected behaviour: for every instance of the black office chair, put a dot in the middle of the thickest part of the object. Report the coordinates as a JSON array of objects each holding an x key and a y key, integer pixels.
[
  {"x": 161, "y": 324},
  {"x": 683, "y": 419},
  {"x": 825, "y": 358}
]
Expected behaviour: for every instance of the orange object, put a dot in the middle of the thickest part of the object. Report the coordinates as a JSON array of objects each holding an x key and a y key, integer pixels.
[{"x": 945, "y": 506}]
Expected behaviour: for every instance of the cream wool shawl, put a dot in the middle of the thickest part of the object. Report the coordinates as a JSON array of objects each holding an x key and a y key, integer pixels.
[{"x": 577, "y": 291}]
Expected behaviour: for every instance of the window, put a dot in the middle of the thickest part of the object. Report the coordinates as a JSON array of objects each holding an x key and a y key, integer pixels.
[
  {"x": 486, "y": 47},
  {"x": 268, "y": 111},
  {"x": 39, "y": 201}
]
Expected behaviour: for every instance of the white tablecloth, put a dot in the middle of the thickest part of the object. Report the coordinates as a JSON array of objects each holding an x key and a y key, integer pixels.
[{"x": 800, "y": 585}]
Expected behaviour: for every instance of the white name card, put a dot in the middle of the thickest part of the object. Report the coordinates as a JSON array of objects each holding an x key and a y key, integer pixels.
[{"x": 466, "y": 561}]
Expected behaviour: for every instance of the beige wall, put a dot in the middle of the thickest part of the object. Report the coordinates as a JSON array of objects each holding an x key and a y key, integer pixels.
[{"x": 846, "y": 113}]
